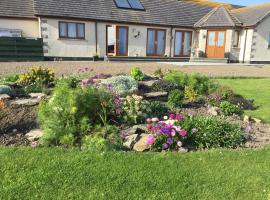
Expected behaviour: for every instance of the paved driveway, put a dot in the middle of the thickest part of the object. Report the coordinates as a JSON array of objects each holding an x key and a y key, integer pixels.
[{"x": 72, "y": 68}]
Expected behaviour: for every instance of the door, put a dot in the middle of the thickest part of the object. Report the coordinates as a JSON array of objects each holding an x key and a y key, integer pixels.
[
  {"x": 215, "y": 44},
  {"x": 155, "y": 42},
  {"x": 121, "y": 41},
  {"x": 182, "y": 43}
]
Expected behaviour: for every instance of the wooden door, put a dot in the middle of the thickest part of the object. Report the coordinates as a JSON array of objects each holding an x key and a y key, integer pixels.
[
  {"x": 122, "y": 41},
  {"x": 215, "y": 47}
]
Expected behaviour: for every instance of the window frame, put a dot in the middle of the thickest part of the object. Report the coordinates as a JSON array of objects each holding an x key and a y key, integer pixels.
[
  {"x": 77, "y": 30},
  {"x": 183, "y": 39},
  {"x": 155, "y": 43},
  {"x": 130, "y": 6},
  {"x": 236, "y": 43}
]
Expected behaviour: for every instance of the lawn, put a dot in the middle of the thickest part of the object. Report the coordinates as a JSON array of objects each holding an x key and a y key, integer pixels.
[
  {"x": 257, "y": 89},
  {"x": 69, "y": 174}
]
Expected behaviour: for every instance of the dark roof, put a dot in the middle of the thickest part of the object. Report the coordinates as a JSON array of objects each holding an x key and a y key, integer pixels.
[
  {"x": 218, "y": 17},
  {"x": 157, "y": 12},
  {"x": 252, "y": 15},
  {"x": 17, "y": 8},
  {"x": 215, "y": 4}
]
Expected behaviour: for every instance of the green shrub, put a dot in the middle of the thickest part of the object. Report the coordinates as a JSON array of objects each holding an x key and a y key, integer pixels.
[
  {"x": 34, "y": 88},
  {"x": 229, "y": 109},
  {"x": 5, "y": 89},
  {"x": 175, "y": 99},
  {"x": 165, "y": 86},
  {"x": 158, "y": 109},
  {"x": 137, "y": 74},
  {"x": 35, "y": 75},
  {"x": 135, "y": 109},
  {"x": 226, "y": 93},
  {"x": 122, "y": 85},
  {"x": 201, "y": 84},
  {"x": 11, "y": 78},
  {"x": 190, "y": 94},
  {"x": 94, "y": 143},
  {"x": 209, "y": 132}
]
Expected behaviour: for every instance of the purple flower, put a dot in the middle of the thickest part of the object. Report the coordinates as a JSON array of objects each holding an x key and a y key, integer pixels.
[
  {"x": 169, "y": 140},
  {"x": 166, "y": 130},
  {"x": 165, "y": 146}
]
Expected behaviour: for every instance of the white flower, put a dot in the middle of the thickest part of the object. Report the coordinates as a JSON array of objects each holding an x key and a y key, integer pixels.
[
  {"x": 179, "y": 144},
  {"x": 165, "y": 117}
]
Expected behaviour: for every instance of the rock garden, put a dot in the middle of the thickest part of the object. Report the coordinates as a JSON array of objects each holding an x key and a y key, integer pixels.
[{"x": 165, "y": 111}]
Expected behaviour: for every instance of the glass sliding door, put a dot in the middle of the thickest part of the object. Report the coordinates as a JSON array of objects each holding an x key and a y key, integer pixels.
[
  {"x": 122, "y": 40},
  {"x": 156, "y": 42},
  {"x": 182, "y": 43}
]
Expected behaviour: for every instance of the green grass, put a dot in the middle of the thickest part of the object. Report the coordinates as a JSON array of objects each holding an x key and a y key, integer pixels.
[
  {"x": 257, "y": 89},
  {"x": 60, "y": 174}
]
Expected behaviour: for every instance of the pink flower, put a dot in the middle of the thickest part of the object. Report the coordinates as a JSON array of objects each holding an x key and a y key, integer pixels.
[
  {"x": 179, "y": 117},
  {"x": 183, "y": 133},
  {"x": 172, "y": 116},
  {"x": 150, "y": 140},
  {"x": 148, "y": 120},
  {"x": 34, "y": 144},
  {"x": 149, "y": 126},
  {"x": 173, "y": 132}
]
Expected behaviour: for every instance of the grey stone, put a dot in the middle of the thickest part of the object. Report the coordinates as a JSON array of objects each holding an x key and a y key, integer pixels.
[
  {"x": 214, "y": 111},
  {"x": 34, "y": 135},
  {"x": 257, "y": 121},
  {"x": 148, "y": 83},
  {"x": 25, "y": 102},
  {"x": 4, "y": 97},
  {"x": 137, "y": 129},
  {"x": 141, "y": 145},
  {"x": 157, "y": 96},
  {"x": 182, "y": 150},
  {"x": 131, "y": 141},
  {"x": 37, "y": 95}
]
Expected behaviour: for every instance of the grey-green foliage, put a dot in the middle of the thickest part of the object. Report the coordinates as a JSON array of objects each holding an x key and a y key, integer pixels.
[
  {"x": 122, "y": 85},
  {"x": 5, "y": 89}
]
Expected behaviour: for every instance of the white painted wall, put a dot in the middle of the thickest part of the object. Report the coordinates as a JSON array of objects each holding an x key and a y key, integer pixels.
[
  {"x": 260, "y": 50},
  {"x": 29, "y": 27},
  {"x": 246, "y": 40}
]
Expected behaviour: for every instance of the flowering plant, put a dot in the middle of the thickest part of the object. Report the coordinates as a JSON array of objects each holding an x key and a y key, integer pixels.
[{"x": 165, "y": 135}]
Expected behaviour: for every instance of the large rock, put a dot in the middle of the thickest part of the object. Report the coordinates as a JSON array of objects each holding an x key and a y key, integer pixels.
[
  {"x": 141, "y": 145},
  {"x": 137, "y": 129},
  {"x": 158, "y": 96},
  {"x": 131, "y": 141},
  {"x": 25, "y": 102},
  {"x": 37, "y": 95},
  {"x": 34, "y": 135},
  {"x": 4, "y": 97}
]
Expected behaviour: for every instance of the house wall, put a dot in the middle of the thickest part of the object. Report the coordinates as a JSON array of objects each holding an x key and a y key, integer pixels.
[
  {"x": 55, "y": 47},
  {"x": 260, "y": 52},
  {"x": 246, "y": 40},
  {"x": 29, "y": 27}
]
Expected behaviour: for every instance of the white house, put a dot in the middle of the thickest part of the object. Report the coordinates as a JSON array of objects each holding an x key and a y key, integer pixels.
[{"x": 141, "y": 29}]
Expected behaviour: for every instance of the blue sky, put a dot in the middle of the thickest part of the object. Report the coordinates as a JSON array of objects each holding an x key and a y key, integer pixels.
[{"x": 244, "y": 2}]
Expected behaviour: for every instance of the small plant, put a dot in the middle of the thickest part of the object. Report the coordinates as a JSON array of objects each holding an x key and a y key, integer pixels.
[
  {"x": 5, "y": 89},
  {"x": 159, "y": 73},
  {"x": 11, "y": 78},
  {"x": 190, "y": 94},
  {"x": 229, "y": 109},
  {"x": 135, "y": 109},
  {"x": 137, "y": 74},
  {"x": 175, "y": 99},
  {"x": 158, "y": 109},
  {"x": 122, "y": 85},
  {"x": 94, "y": 143}
]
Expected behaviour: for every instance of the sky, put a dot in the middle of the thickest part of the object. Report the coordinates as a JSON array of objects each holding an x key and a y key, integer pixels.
[{"x": 244, "y": 2}]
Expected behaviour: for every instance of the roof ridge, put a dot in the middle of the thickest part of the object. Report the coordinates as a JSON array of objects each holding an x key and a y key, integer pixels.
[
  {"x": 250, "y": 7},
  {"x": 228, "y": 15}
]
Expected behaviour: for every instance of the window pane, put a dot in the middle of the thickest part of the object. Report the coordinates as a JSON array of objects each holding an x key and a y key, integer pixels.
[
  {"x": 81, "y": 31},
  {"x": 122, "y": 3},
  {"x": 136, "y": 4},
  {"x": 62, "y": 29},
  {"x": 221, "y": 39},
  {"x": 72, "y": 30},
  {"x": 211, "y": 39},
  {"x": 178, "y": 43},
  {"x": 160, "y": 42},
  {"x": 151, "y": 42},
  {"x": 187, "y": 43},
  {"x": 122, "y": 41},
  {"x": 236, "y": 38}
]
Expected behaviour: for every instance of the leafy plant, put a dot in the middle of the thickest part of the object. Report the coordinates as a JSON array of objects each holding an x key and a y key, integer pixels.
[
  {"x": 94, "y": 143},
  {"x": 5, "y": 89},
  {"x": 229, "y": 109},
  {"x": 158, "y": 109},
  {"x": 159, "y": 73},
  {"x": 137, "y": 74},
  {"x": 190, "y": 94},
  {"x": 209, "y": 132},
  {"x": 175, "y": 99},
  {"x": 122, "y": 85},
  {"x": 11, "y": 78}
]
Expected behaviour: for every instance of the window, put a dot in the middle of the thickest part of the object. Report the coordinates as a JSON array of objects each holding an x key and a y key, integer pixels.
[
  {"x": 156, "y": 42},
  {"x": 71, "y": 30},
  {"x": 129, "y": 4},
  {"x": 236, "y": 39},
  {"x": 182, "y": 43}
]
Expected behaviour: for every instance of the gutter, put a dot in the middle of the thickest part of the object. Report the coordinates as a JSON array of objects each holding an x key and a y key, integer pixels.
[
  {"x": 245, "y": 45},
  {"x": 96, "y": 37}
]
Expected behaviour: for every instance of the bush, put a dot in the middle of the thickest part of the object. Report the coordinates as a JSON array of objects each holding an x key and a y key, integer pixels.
[
  {"x": 137, "y": 74},
  {"x": 135, "y": 109},
  {"x": 5, "y": 89},
  {"x": 35, "y": 75},
  {"x": 165, "y": 86},
  {"x": 190, "y": 94},
  {"x": 11, "y": 78},
  {"x": 201, "y": 84},
  {"x": 158, "y": 109},
  {"x": 175, "y": 99},
  {"x": 208, "y": 132},
  {"x": 122, "y": 85},
  {"x": 229, "y": 109}
]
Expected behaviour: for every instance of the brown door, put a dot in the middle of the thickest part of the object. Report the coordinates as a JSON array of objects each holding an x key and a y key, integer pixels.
[
  {"x": 215, "y": 44},
  {"x": 121, "y": 41}
]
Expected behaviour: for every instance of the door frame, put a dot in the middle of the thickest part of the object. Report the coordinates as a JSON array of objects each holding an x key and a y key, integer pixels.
[
  {"x": 155, "y": 45},
  {"x": 216, "y": 31},
  {"x": 183, "y": 39},
  {"x": 117, "y": 45}
]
